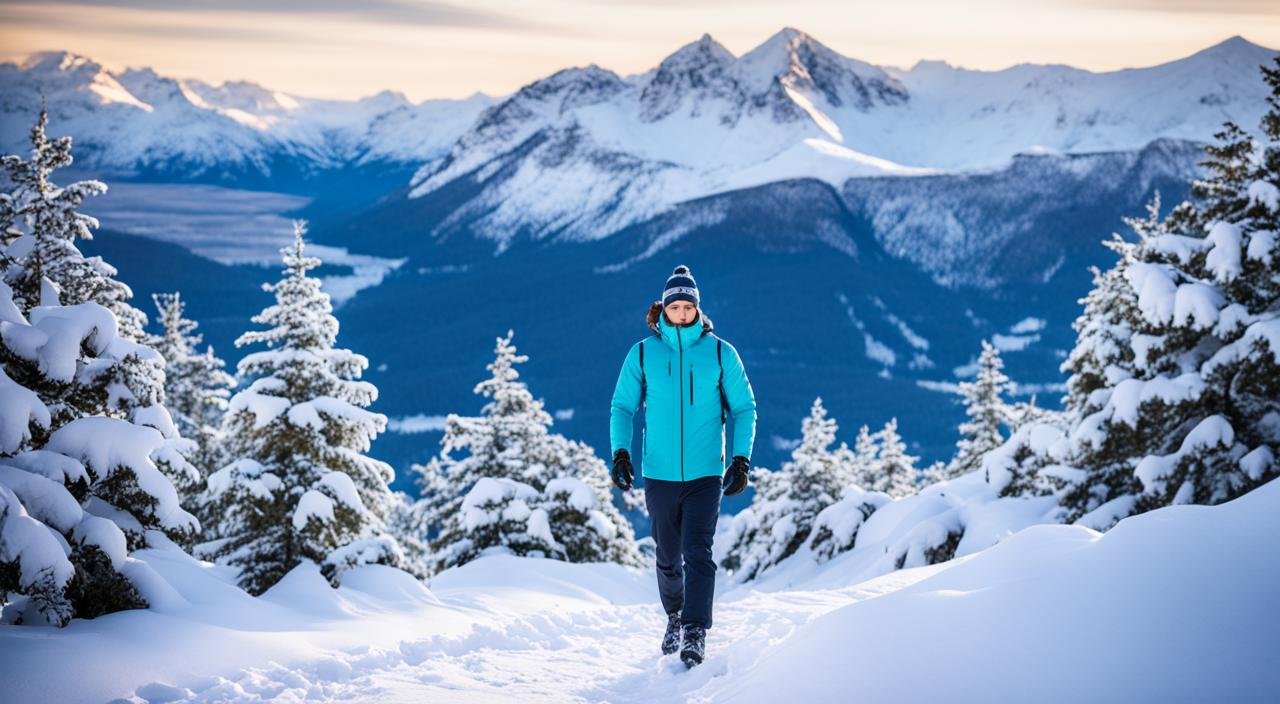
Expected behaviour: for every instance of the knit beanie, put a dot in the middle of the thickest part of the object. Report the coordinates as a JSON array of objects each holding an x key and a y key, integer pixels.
[{"x": 680, "y": 287}]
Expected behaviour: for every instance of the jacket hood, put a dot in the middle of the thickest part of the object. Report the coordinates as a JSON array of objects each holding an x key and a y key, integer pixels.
[{"x": 662, "y": 328}]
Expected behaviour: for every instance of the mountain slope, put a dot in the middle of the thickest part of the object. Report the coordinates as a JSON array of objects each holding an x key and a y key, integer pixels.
[
  {"x": 136, "y": 121},
  {"x": 584, "y": 153}
]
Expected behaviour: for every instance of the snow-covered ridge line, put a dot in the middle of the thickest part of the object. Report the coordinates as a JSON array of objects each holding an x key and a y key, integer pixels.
[
  {"x": 585, "y": 152},
  {"x": 135, "y": 118}
]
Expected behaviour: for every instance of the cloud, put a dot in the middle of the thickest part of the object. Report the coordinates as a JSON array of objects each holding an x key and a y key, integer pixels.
[
  {"x": 14, "y": 18},
  {"x": 400, "y": 12}
]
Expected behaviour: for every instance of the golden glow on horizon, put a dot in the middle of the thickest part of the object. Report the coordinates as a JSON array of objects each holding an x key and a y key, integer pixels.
[{"x": 497, "y": 47}]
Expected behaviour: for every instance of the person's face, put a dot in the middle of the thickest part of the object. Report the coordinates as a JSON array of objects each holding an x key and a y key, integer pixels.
[{"x": 681, "y": 312}]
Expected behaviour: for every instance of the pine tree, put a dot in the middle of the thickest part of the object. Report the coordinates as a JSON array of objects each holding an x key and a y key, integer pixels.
[
  {"x": 300, "y": 486},
  {"x": 46, "y": 267},
  {"x": 865, "y": 449},
  {"x": 894, "y": 471},
  {"x": 987, "y": 412},
  {"x": 75, "y": 472},
  {"x": 89, "y": 441},
  {"x": 196, "y": 388},
  {"x": 519, "y": 488},
  {"x": 54, "y": 225},
  {"x": 1175, "y": 388},
  {"x": 781, "y": 516}
]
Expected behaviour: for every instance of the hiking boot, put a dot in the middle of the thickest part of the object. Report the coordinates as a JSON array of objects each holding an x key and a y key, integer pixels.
[
  {"x": 671, "y": 639},
  {"x": 693, "y": 645}
]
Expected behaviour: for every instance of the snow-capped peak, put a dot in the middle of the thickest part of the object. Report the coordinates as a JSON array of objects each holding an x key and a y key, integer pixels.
[
  {"x": 798, "y": 62},
  {"x": 698, "y": 70}
]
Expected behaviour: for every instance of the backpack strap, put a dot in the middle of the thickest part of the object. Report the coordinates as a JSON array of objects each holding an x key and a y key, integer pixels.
[{"x": 643, "y": 383}]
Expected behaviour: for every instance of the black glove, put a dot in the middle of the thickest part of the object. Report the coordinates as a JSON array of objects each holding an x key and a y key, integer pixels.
[
  {"x": 735, "y": 480},
  {"x": 622, "y": 470}
]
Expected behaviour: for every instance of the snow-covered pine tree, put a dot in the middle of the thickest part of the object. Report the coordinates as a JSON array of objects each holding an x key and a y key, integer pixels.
[
  {"x": 865, "y": 449},
  {"x": 787, "y": 501},
  {"x": 90, "y": 419},
  {"x": 78, "y": 489},
  {"x": 894, "y": 471},
  {"x": 300, "y": 485},
  {"x": 987, "y": 411},
  {"x": 1175, "y": 389},
  {"x": 519, "y": 487},
  {"x": 196, "y": 390},
  {"x": 45, "y": 267},
  {"x": 407, "y": 523}
]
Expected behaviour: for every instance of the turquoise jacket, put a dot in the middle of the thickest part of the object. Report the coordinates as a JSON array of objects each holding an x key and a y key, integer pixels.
[{"x": 683, "y": 435}]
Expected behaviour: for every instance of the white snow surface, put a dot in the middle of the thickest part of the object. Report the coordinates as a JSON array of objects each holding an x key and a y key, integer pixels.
[{"x": 1153, "y": 610}]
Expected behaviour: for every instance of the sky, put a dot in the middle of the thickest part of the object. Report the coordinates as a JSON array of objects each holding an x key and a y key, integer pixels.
[{"x": 429, "y": 49}]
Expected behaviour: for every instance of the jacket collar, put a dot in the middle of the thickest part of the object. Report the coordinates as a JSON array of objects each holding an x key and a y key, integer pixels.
[{"x": 677, "y": 337}]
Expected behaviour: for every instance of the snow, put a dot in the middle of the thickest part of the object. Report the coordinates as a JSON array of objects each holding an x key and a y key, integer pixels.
[
  {"x": 56, "y": 333},
  {"x": 1266, "y": 193},
  {"x": 1026, "y": 325},
  {"x": 136, "y": 118},
  {"x": 265, "y": 407},
  {"x": 1155, "y": 289},
  {"x": 313, "y": 504},
  {"x": 343, "y": 488},
  {"x": 1257, "y": 462},
  {"x": 419, "y": 423},
  {"x": 1224, "y": 256},
  {"x": 1013, "y": 343},
  {"x": 581, "y": 496},
  {"x": 1266, "y": 332},
  {"x": 22, "y": 407},
  {"x": 705, "y": 122},
  {"x": 247, "y": 474},
  {"x": 1130, "y": 394},
  {"x": 102, "y": 532},
  {"x": 1198, "y": 304},
  {"x": 1212, "y": 431},
  {"x": 45, "y": 500},
  {"x": 1261, "y": 244},
  {"x": 877, "y": 351},
  {"x": 37, "y": 551},
  {"x": 308, "y": 413},
  {"x": 1157, "y": 588},
  {"x": 105, "y": 445},
  {"x": 1162, "y": 575}
]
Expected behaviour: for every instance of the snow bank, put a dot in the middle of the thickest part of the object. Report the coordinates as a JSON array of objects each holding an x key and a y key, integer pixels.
[
  {"x": 1154, "y": 610},
  {"x": 202, "y": 627}
]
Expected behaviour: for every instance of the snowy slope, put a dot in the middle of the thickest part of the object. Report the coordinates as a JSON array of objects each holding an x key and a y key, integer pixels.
[
  {"x": 586, "y": 152},
  {"x": 1173, "y": 605},
  {"x": 136, "y": 119}
]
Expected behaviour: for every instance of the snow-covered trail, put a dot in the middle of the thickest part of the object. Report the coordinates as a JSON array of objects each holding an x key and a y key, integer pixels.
[{"x": 545, "y": 645}]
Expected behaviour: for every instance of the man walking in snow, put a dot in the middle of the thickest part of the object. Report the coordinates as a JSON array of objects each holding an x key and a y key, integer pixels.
[{"x": 689, "y": 381}]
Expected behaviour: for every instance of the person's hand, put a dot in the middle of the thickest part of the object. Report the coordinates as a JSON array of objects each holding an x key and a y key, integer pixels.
[
  {"x": 622, "y": 470},
  {"x": 735, "y": 479}
]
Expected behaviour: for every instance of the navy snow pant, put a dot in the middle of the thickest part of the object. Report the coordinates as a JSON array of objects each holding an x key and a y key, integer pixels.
[{"x": 683, "y": 516}]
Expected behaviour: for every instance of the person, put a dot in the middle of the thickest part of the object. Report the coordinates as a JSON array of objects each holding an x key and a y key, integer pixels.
[{"x": 688, "y": 381}]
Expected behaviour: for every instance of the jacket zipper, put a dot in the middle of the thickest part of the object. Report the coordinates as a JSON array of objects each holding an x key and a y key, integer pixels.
[
  {"x": 680, "y": 343},
  {"x": 690, "y": 384}
]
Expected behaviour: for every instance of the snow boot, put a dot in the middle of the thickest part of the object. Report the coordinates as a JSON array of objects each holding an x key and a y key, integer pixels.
[
  {"x": 671, "y": 639},
  {"x": 695, "y": 643}
]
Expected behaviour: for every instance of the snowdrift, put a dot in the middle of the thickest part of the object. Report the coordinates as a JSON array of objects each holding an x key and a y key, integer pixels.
[{"x": 1174, "y": 605}]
